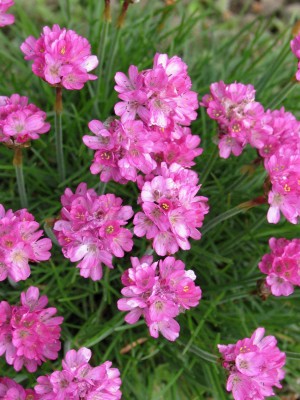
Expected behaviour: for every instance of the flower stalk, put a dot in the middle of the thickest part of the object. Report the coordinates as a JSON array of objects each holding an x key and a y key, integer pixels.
[
  {"x": 18, "y": 164},
  {"x": 58, "y": 108}
]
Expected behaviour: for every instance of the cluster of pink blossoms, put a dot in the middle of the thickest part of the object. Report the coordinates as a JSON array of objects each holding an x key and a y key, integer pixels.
[
  {"x": 6, "y": 19},
  {"x": 20, "y": 243},
  {"x": 79, "y": 380},
  {"x": 29, "y": 333},
  {"x": 295, "y": 46},
  {"x": 275, "y": 135},
  {"x": 254, "y": 365},
  {"x": 61, "y": 57},
  {"x": 20, "y": 122},
  {"x": 11, "y": 390},
  {"x": 91, "y": 229},
  {"x": 172, "y": 211},
  {"x": 239, "y": 116},
  {"x": 159, "y": 291},
  {"x": 282, "y": 266},
  {"x": 156, "y": 109}
]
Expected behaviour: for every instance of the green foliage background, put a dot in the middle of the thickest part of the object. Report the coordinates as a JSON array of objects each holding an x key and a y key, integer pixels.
[{"x": 226, "y": 258}]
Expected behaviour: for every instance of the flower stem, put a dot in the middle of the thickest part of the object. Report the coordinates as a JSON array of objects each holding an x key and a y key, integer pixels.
[
  {"x": 18, "y": 164},
  {"x": 58, "y": 134}
]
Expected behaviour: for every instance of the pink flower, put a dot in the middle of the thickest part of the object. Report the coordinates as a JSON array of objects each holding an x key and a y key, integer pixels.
[
  {"x": 20, "y": 122},
  {"x": 61, "y": 57},
  {"x": 295, "y": 46},
  {"x": 281, "y": 266},
  {"x": 158, "y": 291},
  {"x": 11, "y": 390},
  {"x": 6, "y": 19},
  {"x": 254, "y": 365},
  {"x": 29, "y": 333},
  {"x": 20, "y": 243},
  {"x": 239, "y": 116},
  {"x": 171, "y": 210},
  {"x": 79, "y": 380},
  {"x": 91, "y": 229}
]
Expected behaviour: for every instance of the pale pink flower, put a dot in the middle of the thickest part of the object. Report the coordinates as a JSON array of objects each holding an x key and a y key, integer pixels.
[
  {"x": 282, "y": 266},
  {"x": 20, "y": 244},
  {"x": 254, "y": 365},
  {"x": 11, "y": 390},
  {"x": 158, "y": 291},
  {"x": 29, "y": 333},
  {"x": 79, "y": 380},
  {"x": 91, "y": 229},
  {"x": 6, "y": 19},
  {"x": 20, "y": 122},
  {"x": 171, "y": 210},
  {"x": 61, "y": 57}
]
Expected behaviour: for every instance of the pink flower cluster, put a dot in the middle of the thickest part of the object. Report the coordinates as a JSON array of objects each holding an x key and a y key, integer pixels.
[
  {"x": 91, "y": 229},
  {"x": 61, "y": 57},
  {"x": 239, "y": 116},
  {"x": 282, "y": 266},
  {"x": 159, "y": 291},
  {"x": 20, "y": 121},
  {"x": 275, "y": 135},
  {"x": 172, "y": 211},
  {"x": 6, "y": 19},
  {"x": 295, "y": 46},
  {"x": 156, "y": 108},
  {"x": 29, "y": 333},
  {"x": 254, "y": 365},
  {"x": 79, "y": 380},
  {"x": 20, "y": 243},
  {"x": 11, "y": 390}
]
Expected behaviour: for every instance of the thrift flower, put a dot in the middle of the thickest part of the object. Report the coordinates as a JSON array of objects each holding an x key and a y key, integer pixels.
[
  {"x": 20, "y": 122},
  {"x": 11, "y": 390},
  {"x": 295, "y": 46},
  {"x": 29, "y": 333},
  {"x": 20, "y": 244},
  {"x": 156, "y": 109},
  {"x": 61, "y": 57},
  {"x": 254, "y": 366},
  {"x": 79, "y": 380},
  {"x": 282, "y": 266},
  {"x": 172, "y": 211},
  {"x": 91, "y": 229},
  {"x": 158, "y": 291},
  {"x": 6, "y": 19}
]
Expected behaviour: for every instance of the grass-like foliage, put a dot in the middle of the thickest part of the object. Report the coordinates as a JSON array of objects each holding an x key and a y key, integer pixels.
[{"x": 234, "y": 239}]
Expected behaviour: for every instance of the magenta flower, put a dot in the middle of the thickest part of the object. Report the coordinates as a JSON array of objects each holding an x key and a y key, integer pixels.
[
  {"x": 61, "y": 57},
  {"x": 79, "y": 380},
  {"x": 254, "y": 365},
  {"x": 91, "y": 229},
  {"x": 20, "y": 244},
  {"x": 158, "y": 291},
  {"x": 29, "y": 333},
  {"x": 6, "y": 19},
  {"x": 20, "y": 122},
  {"x": 295, "y": 46},
  {"x": 171, "y": 210},
  {"x": 11, "y": 390},
  {"x": 282, "y": 266},
  {"x": 240, "y": 118}
]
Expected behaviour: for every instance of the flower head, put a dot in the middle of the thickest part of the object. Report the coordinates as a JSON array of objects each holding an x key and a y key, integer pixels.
[
  {"x": 20, "y": 243},
  {"x": 79, "y": 380},
  {"x": 29, "y": 333},
  {"x": 11, "y": 390},
  {"x": 254, "y": 365},
  {"x": 61, "y": 57},
  {"x": 91, "y": 229},
  {"x": 6, "y": 19},
  {"x": 159, "y": 291},
  {"x": 20, "y": 122}
]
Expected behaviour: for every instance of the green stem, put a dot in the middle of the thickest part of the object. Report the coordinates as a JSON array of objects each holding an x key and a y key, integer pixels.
[
  {"x": 18, "y": 164},
  {"x": 59, "y": 135}
]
